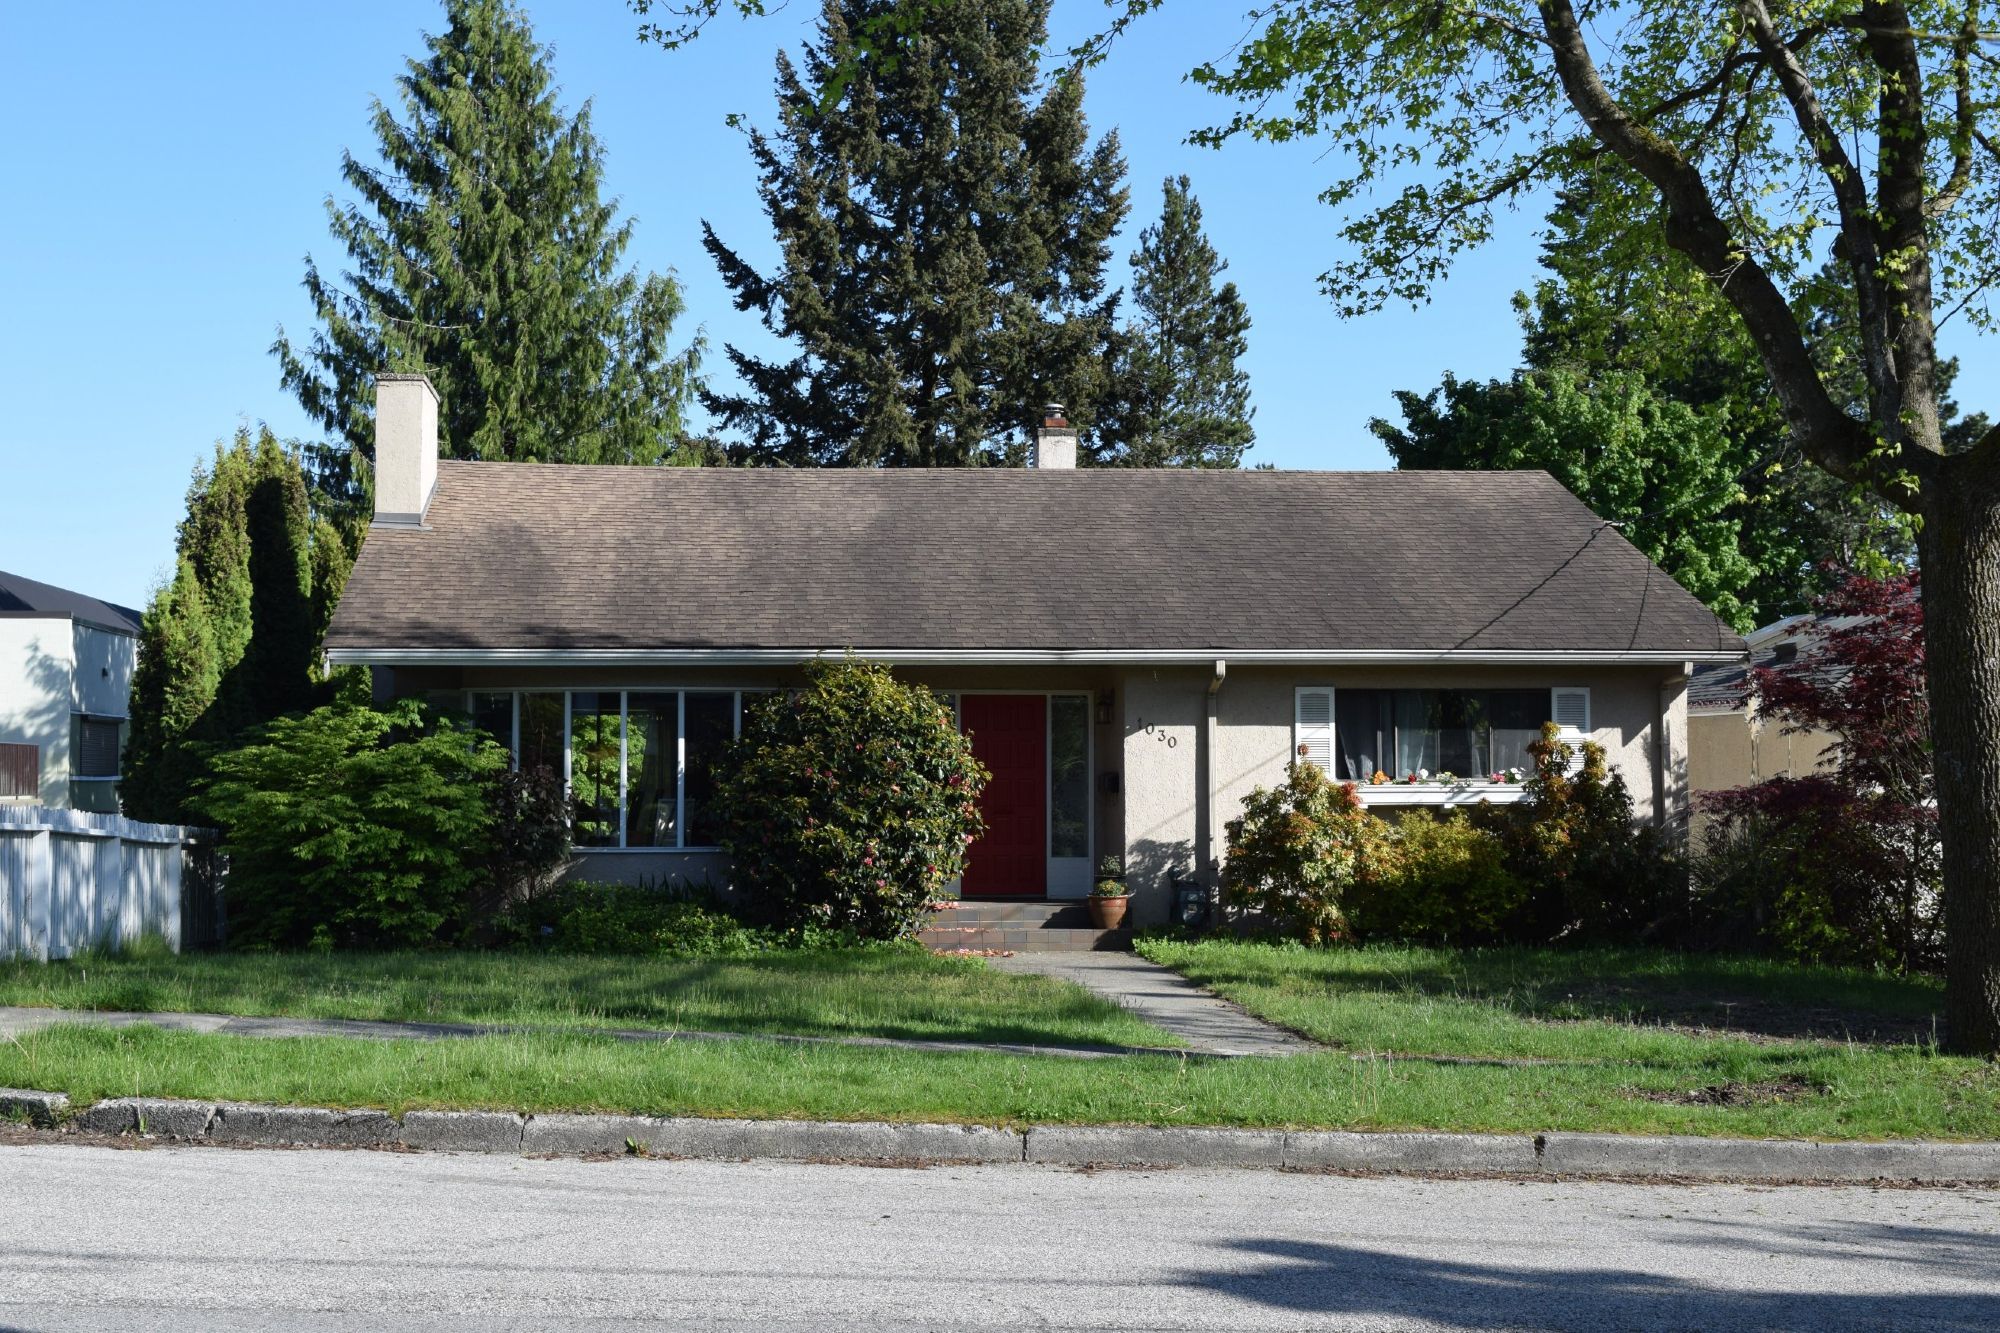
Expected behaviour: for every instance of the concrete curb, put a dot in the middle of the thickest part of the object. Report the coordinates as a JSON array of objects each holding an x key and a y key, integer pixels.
[
  {"x": 41, "y": 1108},
  {"x": 1574, "y": 1156}
]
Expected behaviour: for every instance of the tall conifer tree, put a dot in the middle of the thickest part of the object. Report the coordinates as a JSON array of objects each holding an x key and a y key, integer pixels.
[
  {"x": 233, "y": 639},
  {"x": 1189, "y": 400},
  {"x": 945, "y": 220},
  {"x": 483, "y": 252}
]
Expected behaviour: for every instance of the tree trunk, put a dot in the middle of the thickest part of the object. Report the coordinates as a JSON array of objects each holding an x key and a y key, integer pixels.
[{"x": 1960, "y": 550}]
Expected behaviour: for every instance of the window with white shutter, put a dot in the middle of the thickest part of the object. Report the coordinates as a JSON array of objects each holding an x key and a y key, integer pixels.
[
  {"x": 1570, "y": 709},
  {"x": 1312, "y": 727}
]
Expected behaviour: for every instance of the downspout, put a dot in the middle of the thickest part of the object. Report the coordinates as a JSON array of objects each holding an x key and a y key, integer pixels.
[{"x": 1210, "y": 799}]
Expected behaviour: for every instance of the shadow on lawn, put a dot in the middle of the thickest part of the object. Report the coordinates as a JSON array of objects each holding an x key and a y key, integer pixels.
[
  {"x": 1740, "y": 997},
  {"x": 1324, "y": 1279}
]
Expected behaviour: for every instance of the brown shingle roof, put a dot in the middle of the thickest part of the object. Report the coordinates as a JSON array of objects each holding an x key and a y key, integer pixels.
[{"x": 542, "y": 557}]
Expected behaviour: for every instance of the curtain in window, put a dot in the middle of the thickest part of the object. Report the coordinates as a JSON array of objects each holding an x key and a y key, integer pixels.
[
  {"x": 1517, "y": 717},
  {"x": 1362, "y": 731}
]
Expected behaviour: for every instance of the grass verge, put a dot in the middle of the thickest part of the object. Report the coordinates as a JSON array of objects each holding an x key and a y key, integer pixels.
[
  {"x": 1625, "y": 1004},
  {"x": 879, "y": 992},
  {"x": 1857, "y": 1093}
]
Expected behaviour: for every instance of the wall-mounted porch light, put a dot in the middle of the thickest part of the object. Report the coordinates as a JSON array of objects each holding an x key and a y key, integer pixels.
[{"x": 1104, "y": 708}]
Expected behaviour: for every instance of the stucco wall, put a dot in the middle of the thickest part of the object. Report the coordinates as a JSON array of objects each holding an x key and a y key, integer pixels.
[
  {"x": 1254, "y": 740},
  {"x": 104, "y": 662},
  {"x": 1163, "y": 711},
  {"x": 37, "y": 667}
]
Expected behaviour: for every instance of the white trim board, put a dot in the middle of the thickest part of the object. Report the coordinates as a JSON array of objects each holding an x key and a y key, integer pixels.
[{"x": 1014, "y": 656}]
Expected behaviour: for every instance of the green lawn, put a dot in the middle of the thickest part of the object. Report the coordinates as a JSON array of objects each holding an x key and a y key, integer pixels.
[
  {"x": 885, "y": 992},
  {"x": 1641, "y": 1005},
  {"x": 1624, "y": 1041},
  {"x": 1867, "y": 1094}
]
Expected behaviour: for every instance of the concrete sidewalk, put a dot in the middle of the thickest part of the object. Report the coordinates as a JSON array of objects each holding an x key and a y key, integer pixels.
[{"x": 1166, "y": 999}]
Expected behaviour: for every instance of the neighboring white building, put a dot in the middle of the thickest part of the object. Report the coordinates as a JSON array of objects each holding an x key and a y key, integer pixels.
[{"x": 65, "y": 675}]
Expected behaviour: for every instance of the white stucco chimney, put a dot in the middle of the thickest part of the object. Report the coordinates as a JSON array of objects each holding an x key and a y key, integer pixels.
[
  {"x": 1055, "y": 440},
  {"x": 406, "y": 448}
]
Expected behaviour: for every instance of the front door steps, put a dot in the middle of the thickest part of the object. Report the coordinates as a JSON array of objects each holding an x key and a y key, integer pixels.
[{"x": 1024, "y": 927}]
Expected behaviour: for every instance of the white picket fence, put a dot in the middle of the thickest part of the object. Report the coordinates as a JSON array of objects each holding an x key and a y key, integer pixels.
[{"x": 70, "y": 879}]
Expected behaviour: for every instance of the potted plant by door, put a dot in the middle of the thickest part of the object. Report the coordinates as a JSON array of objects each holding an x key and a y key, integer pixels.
[{"x": 1109, "y": 899}]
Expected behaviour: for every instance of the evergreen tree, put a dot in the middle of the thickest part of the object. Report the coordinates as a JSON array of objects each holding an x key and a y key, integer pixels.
[
  {"x": 945, "y": 221},
  {"x": 233, "y": 639},
  {"x": 173, "y": 686},
  {"x": 483, "y": 253},
  {"x": 1189, "y": 402}
]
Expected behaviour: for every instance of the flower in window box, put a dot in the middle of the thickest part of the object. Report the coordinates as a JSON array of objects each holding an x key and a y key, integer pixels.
[{"x": 1378, "y": 778}]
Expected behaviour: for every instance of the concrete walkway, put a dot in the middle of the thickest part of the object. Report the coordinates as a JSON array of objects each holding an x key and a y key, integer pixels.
[
  {"x": 1163, "y": 997},
  {"x": 17, "y": 1021}
]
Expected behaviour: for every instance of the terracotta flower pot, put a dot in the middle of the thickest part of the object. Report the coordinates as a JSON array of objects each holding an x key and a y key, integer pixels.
[{"x": 1109, "y": 913}]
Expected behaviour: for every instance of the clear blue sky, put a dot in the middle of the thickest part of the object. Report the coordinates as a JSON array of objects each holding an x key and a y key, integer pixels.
[{"x": 168, "y": 165}]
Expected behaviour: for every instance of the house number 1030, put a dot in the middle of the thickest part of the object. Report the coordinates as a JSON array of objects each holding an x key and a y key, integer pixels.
[{"x": 1162, "y": 737}]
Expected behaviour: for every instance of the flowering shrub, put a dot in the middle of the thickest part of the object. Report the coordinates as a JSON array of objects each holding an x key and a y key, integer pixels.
[
  {"x": 848, "y": 805},
  {"x": 1297, "y": 850}
]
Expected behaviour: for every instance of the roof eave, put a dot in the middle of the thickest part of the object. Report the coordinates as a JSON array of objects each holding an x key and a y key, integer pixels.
[{"x": 622, "y": 657}]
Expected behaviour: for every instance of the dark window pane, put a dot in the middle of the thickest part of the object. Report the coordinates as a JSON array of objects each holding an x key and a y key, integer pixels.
[
  {"x": 1069, "y": 775},
  {"x": 593, "y": 767},
  {"x": 1361, "y": 734},
  {"x": 96, "y": 748},
  {"x": 711, "y": 724},
  {"x": 652, "y": 762},
  {"x": 1461, "y": 725},
  {"x": 542, "y": 733},
  {"x": 1517, "y": 718},
  {"x": 494, "y": 715}
]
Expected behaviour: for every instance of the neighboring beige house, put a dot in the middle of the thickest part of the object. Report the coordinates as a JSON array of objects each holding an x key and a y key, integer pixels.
[
  {"x": 1132, "y": 650},
  {"x": 1730, "y": 743},
  {"x": 66, "y": 664}
]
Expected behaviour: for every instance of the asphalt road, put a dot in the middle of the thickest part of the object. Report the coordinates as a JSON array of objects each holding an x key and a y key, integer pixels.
[{"x": 208, "y": 1238}]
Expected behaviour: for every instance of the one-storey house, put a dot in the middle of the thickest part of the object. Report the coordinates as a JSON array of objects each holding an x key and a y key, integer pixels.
[
  {"x": 66, "y": 662},
  {"x": 1131, "y": 650}
]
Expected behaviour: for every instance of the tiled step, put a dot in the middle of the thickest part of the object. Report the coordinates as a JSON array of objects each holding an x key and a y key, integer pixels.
[{"x": 1025, "y": 938}]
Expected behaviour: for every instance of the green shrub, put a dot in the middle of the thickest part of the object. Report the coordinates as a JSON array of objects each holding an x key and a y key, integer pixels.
[
  {"x": 1807, "y": 870},
  {"x": 352, "y": 827},
  {"x": 1443, "y": 879},
  {"x": 1296, "y": 851},
  {"x": 847, "y": 806},
  {"x": 1592, "y": 873},
  {"x": 532, "y": 816},
  {"x": 581, "y": 917}
]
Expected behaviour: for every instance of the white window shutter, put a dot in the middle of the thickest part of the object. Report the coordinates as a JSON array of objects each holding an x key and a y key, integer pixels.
[
  {"x": 1571, "y": 711},
  {"x": 1312, "y": 728}
]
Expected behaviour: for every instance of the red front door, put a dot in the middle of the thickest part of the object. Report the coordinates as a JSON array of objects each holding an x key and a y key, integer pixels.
[{"x": 1010, "y": 736}]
